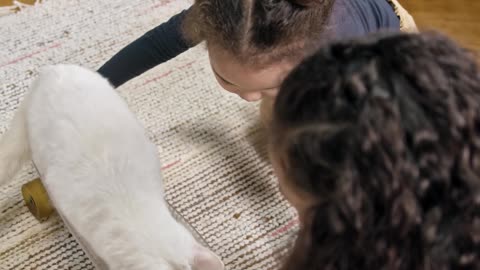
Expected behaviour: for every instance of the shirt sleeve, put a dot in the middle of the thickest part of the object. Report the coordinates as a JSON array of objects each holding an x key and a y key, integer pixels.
[
  {"x": 352, "y": 19},
  {"x": 383, "y": 14},
  {"x": 157, "y": 46}
]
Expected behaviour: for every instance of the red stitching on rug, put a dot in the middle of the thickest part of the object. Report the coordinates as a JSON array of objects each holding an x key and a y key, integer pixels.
[
  {"x": 160, "y": 4},
  {"x": 14, "y": 61},
  {"x": 167, "y": 73},
  {"x": 187, "y": 65},
  {"x": 157, "y": 78},
  {"x": 285, "y": 228},
  {"x": 168, "y": 166}
]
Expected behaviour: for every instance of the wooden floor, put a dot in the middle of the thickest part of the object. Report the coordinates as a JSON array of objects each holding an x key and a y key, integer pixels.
[{"x": 460, "y": 19}]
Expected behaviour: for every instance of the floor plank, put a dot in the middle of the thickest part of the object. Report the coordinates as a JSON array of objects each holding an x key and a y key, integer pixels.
[{"x": 460, "y": 19}]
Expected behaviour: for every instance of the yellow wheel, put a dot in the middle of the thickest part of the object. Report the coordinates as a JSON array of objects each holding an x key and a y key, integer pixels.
[{"x": 36, "y": 198}]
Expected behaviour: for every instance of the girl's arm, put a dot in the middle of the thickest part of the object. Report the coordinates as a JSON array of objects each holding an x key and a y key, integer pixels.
[{"x": 158, "y": 45}]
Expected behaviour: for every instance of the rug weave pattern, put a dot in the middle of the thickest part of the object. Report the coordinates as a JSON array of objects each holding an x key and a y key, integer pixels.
[{"x": 214, "y": 177}]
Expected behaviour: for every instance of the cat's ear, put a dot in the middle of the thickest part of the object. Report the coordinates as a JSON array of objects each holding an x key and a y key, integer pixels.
[{"x": 204, "y": 259}]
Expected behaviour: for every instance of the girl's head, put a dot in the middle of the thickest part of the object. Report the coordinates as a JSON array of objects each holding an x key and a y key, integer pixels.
[
  {"x": 377, "y": 144},
  {"x": 253, "y": 44}
]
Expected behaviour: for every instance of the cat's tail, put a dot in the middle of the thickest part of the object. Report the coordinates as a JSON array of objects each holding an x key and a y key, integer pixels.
[{"x": 14, "y": 146}]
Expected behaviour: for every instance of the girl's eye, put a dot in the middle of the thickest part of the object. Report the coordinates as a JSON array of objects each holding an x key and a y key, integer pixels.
[{"x": 225, "y": 82}]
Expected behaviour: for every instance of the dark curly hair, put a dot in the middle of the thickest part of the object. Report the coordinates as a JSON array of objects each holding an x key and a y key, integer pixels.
[
  {"x": 258, "y": 31},
  {"x": 385, "y": 132}
]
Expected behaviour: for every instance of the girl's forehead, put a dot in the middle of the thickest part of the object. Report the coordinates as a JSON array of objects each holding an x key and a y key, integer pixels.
[{"x": 246, "y": 75}]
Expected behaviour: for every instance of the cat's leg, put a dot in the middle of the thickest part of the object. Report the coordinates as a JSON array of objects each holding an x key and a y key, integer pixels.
[{"x": 14, "y": 146}]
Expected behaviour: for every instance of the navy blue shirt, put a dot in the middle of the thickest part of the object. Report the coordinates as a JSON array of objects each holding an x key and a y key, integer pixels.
[{"x": 349, "y": 19}]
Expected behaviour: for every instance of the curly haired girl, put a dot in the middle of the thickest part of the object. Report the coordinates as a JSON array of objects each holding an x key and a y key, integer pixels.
[{"x": 376, "y": 143}]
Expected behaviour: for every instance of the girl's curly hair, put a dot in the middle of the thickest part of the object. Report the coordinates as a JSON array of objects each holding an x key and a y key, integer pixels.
[{"x": 385, "y": 132}]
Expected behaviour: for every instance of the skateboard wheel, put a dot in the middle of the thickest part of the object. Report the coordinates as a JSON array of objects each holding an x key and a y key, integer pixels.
[{"x": 36, "y": 198}]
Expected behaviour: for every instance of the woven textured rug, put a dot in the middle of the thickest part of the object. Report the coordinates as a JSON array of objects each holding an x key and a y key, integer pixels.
[{"x": 209, "y": 141}]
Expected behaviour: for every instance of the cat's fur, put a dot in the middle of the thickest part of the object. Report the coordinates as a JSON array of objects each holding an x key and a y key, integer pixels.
[{"x": 101, "y": 172}]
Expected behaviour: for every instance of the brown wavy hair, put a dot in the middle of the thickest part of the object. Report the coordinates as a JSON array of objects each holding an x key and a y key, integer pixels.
[
  {"x": 258, "y": 31},
  {"x": 385, "y": 132}
]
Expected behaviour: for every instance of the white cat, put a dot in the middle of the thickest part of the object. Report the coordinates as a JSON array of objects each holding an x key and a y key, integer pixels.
[{"x": 101, "y": 172}]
